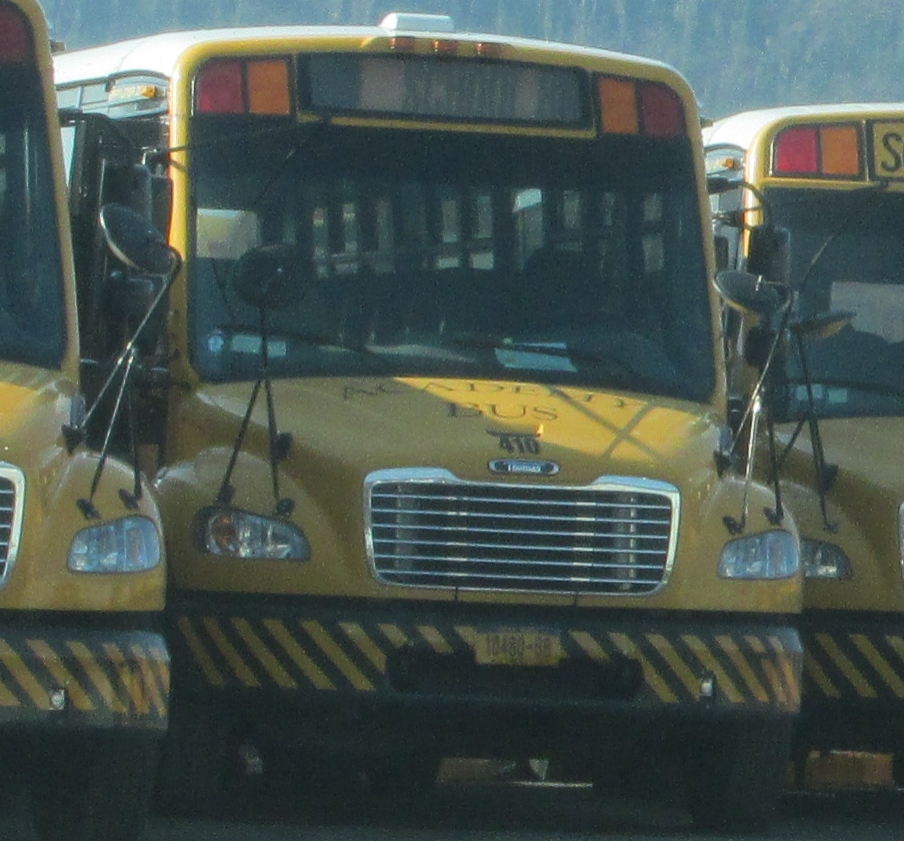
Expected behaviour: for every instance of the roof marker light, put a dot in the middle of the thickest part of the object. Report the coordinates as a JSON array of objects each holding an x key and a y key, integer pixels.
[
  {"x": 445, "y": 47},
  {"x": 403, "y": 43},
  {"x": 16, "y": 44},
  {"x": 488, "y": 49}
]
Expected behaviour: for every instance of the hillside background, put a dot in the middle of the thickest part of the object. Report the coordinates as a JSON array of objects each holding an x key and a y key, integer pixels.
[{"x": 737, "y": 54}]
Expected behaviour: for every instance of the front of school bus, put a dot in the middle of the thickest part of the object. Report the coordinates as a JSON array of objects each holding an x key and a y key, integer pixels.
[
  {"x": 834, "y": 177},
  {"x": 446, "y": 463},
  {"x": 85, "y": 670}
]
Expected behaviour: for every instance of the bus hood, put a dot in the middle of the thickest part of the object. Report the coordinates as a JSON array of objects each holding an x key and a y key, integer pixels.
[
  {"x": 335, "y": 435},
  {"x": 475, "y": 429},
  {"x": 34, "y": 405},
  {"x": 862, "y": 449}
]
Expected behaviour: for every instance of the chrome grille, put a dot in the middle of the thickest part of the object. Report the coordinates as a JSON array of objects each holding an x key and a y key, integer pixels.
[
  {"x": 615, "y": 536},
  {"x": 12, "y": 485}
]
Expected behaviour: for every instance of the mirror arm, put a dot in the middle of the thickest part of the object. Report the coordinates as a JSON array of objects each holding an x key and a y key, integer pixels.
[
  {"x": 825, "y": 473},
  {"x": 76, "y": 433},
  {"x": 87, "y": 505},
  {"x": 279, "y": 443}
]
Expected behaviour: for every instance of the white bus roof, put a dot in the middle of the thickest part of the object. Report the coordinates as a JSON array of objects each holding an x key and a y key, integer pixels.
[
  {"x": 158, "y": 54},
  {"x": 740, "y": 129}
]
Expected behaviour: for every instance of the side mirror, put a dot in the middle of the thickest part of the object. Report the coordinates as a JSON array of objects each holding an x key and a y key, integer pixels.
[
  {"x": 750, "y": 293},
  {"x": 769, "y": 253},
  {"x": 269, "y": 277},
  {"x": 136, "y": 242}
]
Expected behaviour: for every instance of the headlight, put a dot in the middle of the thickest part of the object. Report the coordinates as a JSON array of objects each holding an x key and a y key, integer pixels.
[
  {"x": 824, "y": 560},
  {"x": 238, "y": 534},
  {"x": 130, "y": 544},
  {"x": 768, "y": 555}
]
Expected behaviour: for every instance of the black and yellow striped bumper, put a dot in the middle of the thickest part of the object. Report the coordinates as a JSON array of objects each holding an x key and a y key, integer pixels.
[
  {"x": 83, "y": 679},
  {"x": 853, "y": 659},
  {"x": 419, "y": 652}
]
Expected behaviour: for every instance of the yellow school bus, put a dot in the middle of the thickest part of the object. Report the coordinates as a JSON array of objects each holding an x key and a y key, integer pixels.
[
  {"x": 440, "y": 413},
  {"x": 833, "y": 176},
  {"x": 84, "y": 669}
]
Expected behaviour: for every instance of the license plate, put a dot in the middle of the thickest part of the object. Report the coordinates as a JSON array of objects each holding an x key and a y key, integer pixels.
[
  {"x": 517, "y": 648},
  {"x": 888, "y": 149}
]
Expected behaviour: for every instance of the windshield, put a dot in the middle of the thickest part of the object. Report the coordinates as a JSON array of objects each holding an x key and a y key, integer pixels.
[
  {"x": 847, "y": 256},
  {"x": 32, "y": 314},
  {"x": 453, "y": 254}
]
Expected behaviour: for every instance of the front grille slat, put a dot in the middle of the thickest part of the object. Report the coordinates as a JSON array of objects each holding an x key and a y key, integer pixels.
[
  {"x": 11, "y": 493},
  {"x": 611, "y": 537}
]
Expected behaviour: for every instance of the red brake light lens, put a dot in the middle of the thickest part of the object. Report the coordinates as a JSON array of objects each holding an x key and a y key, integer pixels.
[
  {"x": 220, "y": 88},
  {"x": 16, "y": 42},
  {"x": 796, "y": 151},
  {"x": 662, "y": 114}
]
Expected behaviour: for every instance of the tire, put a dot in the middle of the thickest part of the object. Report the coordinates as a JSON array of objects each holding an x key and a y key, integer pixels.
[
  {"x": 92, "y": 788},
  {"x": 737, "y": 780}
]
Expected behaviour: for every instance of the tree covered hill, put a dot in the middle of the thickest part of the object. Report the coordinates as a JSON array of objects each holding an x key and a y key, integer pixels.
[{"x": 736, "y": 54}]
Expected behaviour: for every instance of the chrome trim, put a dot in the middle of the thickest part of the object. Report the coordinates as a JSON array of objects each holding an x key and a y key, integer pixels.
[
  {"x": 615, "y": 536},
  {"x": 901, "y": 536},
  {"x": 12, "y": 507}
]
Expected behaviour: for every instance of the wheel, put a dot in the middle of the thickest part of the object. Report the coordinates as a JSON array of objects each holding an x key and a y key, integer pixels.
[
  {"x": 736, "y": 782},
  {"x": 92, "y": 788},
  {"x": 194, "y": 757}
]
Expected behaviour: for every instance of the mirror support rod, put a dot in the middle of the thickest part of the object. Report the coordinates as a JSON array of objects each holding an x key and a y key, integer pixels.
[{"x": 279, "y": 443}]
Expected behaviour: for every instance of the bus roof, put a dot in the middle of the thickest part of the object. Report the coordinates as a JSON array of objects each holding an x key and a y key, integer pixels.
[
  {"x": 742, "y": 128},
  {"x": 159, "y": 54}
]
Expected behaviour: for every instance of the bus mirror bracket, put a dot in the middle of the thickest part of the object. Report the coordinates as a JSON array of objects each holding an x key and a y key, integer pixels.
[
  {"x": 755, "y": 295},
  {"x": 140, "y": 247},
  {"x": 267, "y": 277}
]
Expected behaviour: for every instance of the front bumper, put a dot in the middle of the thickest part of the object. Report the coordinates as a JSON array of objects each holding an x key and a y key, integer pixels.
[
  {"x": 72, "y": 678},
  {"x": 853, "y": 682},
  {"x": 419, "y": 655}
]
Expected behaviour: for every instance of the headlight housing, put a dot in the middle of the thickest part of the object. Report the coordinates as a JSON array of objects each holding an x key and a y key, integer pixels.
[
  {"x": 129, "y": 544},
  {"x": 765, "y": 556},
  {"x": 821, "y": 559},
  {"x": 231, "y": 533}
]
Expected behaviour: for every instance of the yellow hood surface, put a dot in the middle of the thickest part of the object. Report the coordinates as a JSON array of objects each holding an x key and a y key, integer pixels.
[{"x": 463, "y": 425}]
